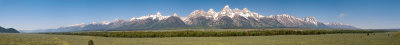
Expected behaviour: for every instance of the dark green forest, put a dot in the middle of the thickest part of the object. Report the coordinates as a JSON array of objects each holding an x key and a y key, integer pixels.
[{"x": 194, "y": 33}]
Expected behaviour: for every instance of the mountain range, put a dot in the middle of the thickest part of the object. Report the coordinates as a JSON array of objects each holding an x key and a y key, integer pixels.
[
  {"x": 8, "y": 30},
  {"x": 226, "y": 18}
]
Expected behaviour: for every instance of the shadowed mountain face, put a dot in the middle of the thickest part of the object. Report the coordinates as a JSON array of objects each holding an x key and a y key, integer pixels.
[
  {"x": 226, "y": 18},
  {"x": 9, "y": 30},
  {"x": 239, "y": 21},
  {"x": 170, "y": 22},
  {"x": 200, "y": 21},
  {"x": 223, "y": 22}
]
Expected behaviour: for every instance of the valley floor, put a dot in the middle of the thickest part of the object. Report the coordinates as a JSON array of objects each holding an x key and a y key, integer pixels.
[{"x": 326, "y": 39}]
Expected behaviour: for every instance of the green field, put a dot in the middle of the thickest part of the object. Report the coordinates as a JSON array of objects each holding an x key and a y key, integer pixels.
[{"x": 326, "y": 39}]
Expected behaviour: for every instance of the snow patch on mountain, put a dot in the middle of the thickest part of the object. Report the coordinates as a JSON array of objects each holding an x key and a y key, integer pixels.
[{"x": 156, "y": 16}]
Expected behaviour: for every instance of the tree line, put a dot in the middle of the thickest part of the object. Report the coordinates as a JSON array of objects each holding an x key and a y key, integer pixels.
[{"x": 193, "y": 33}]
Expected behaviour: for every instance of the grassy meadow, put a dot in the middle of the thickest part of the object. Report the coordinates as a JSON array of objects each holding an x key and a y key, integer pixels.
[{"x": 386, "y": 38}]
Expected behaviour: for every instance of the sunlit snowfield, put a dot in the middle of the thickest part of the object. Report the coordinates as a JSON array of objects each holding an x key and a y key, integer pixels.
[{"x": 326, "y": 39}]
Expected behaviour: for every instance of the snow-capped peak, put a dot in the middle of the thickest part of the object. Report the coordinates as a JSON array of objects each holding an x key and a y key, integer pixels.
[
  {"x": 157, "y": 16},
  {"x": 133, "y": 19},
  {"x": 292, "y": 17},
  {"x": 175, "y": 15},
  {"x": 105, "y": 22},
  {"x": 226, "y": 8},
  {"x": 226, "y": 11},
  {"x": 285, "y": 16},
  {"x": 211, "y": 11},
  {"x": 246, "y": 10},
  {"x": 236, "y": 10},
  {"x": 118, "y": 20},
  {"x": 102, "y": 23},
  {"x": 311, "y": 20}
]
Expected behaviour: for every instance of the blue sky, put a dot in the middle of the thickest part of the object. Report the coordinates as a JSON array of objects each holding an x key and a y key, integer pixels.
[{"x": 50, "y": 14}]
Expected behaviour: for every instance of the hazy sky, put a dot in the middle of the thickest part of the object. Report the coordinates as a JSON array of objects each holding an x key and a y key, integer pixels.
[{"x": 50, "y": 14}]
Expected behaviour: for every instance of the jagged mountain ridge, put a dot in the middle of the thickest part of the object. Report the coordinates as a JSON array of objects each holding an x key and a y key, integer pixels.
[{"x": 226, "y": 18}]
